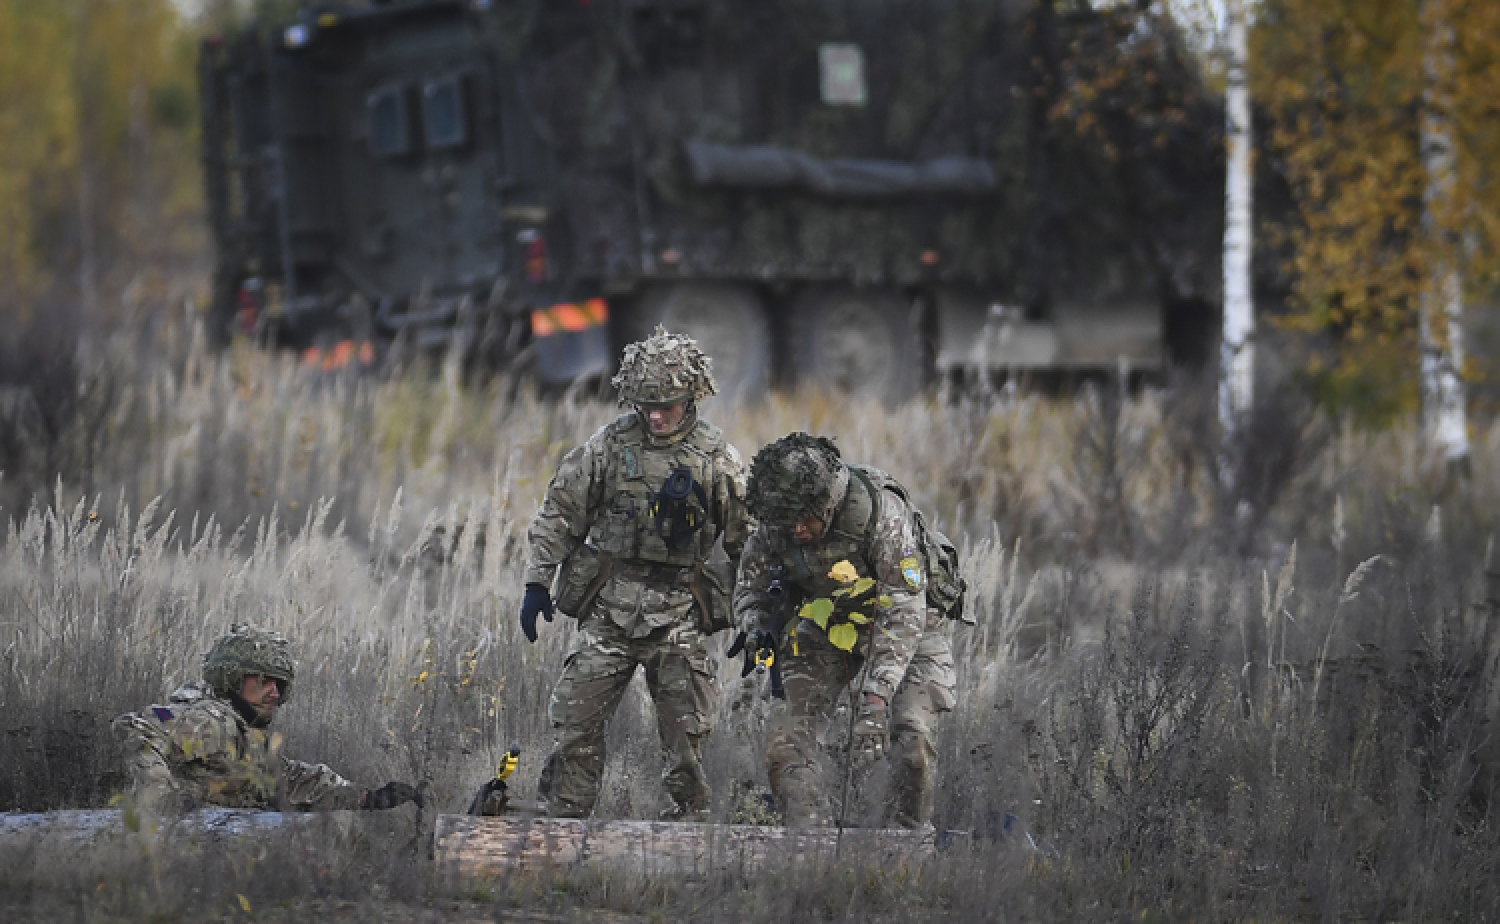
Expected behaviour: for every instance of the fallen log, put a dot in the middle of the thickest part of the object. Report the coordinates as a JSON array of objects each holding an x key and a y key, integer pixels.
[
  {"x": 96, "y": 827},
  {"x": 471, "y": 845},
  {"x": 474, "y": 845}
]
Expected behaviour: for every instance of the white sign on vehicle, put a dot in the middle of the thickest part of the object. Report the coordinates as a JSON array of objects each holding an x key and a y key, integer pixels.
[{"x": 842, "y": 69}]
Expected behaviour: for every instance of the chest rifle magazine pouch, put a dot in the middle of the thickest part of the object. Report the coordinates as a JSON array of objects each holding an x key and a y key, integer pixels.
[{"x": 579, "y": 579}]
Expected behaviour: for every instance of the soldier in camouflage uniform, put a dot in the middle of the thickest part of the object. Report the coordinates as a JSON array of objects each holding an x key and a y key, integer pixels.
[
  {"x": 210, "y": 746},
  {"x": 813, "y": 514},
  {"x": 626, "y": 529}
]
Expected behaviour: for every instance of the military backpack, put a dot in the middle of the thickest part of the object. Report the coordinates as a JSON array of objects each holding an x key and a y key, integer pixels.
[{"x": 946, "y": 586}]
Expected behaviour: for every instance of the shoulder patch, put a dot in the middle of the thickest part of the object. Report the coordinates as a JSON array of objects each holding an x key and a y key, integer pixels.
[
  {"x": 162, "y": 713},
  {"x": 912, "y": 571}
]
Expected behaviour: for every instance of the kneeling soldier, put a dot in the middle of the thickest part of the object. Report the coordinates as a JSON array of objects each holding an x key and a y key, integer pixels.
[
  {"x": 849, "y": 549},
  {"x": 209, "y": 745}
]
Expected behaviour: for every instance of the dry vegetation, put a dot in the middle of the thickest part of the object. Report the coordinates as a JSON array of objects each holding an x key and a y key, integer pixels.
[{"x": 1184, "y": 698}]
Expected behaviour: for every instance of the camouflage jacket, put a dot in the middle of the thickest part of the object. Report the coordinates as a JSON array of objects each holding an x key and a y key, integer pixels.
[
  {"x": 606, "y": 493},
  {"x": 883, "y": 548},
  {"x": 198, "y": 750}
]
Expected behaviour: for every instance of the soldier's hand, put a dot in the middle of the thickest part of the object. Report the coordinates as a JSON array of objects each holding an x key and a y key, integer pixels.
[
  {"x": 389, "y": 796},
  {"x": 871, "y": 740},
  {"x": 537, "y": 600},
  {"x": 750, "y": 643}
]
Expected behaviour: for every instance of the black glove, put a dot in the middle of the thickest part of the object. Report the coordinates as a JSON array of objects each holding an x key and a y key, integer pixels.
[
  {"x": 537, "y": 601},
  {"x": 389, "y": 796},
  {"x": 750, "y": 644},
  {"x": 491, "y": 800}
]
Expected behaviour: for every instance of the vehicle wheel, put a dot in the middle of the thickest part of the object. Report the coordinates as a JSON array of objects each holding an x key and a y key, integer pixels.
[
  {"x": 728, "y": 321},
  {"x": 861, "y": 341}
]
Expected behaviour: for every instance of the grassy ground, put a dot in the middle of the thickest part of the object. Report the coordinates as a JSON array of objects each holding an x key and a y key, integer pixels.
[{"x": 1251, "y": 685}]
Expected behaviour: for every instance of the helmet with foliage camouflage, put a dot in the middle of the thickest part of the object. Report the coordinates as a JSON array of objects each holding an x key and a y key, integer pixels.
[
  {"x": 247, "y": 650},
  {"x": 797, "y": 475},
  {"x": 664, "y": 369}
]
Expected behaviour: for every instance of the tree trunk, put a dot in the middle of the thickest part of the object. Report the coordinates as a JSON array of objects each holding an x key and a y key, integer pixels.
[
  {"x": 1442, "y": 306},
  {"x": 1237, "y": 353},
  {"x": 87, "y": 104},
  {"x": 473, "y": 845}
]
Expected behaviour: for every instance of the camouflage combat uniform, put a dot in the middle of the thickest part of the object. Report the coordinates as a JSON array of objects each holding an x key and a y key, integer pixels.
[
  {"x": 902, "y": 655},
  {"x": 198, "y": 750},
  {"x": 208, "y": 746},
  {"x": 649, "y": 611}
]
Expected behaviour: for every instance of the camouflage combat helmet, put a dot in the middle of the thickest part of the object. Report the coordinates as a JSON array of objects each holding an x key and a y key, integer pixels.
[
  {"x": 797, "y": 475},
  {"x": 247, "y": 650},
  {"x": 664, "y": 369}
]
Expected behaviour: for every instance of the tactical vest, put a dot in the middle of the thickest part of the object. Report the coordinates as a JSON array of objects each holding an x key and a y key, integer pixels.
[
  {"x": 646, "y": 519},
  {"x": 151, "y": 751},
  {"x": 848, "y": 539}
]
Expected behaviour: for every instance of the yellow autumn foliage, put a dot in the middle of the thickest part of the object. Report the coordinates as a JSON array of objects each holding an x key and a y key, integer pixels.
[
  {"x": 1344, "y": 84},
  {"x": 98, "y": 169}
]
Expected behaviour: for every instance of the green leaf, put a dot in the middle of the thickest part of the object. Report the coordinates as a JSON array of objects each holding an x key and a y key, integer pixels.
[
  {"x": 859, "y": 619},
  {"x": 843, "y": 636},
  {"x": 818, "y": 611},
  {"x": 884, "y": 600},
  {"x": 862, "y": 586}
]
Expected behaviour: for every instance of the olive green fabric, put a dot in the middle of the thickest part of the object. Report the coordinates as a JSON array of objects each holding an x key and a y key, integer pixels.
[
  {"x": 910, "y": 660},
  {"x": 197, "y": 751},
  {"x": 607, "y": 499},
  {"x": 605, "y": 492},
  {"x": 815, "y": 675},
  {"x": 682, "y": 680}
]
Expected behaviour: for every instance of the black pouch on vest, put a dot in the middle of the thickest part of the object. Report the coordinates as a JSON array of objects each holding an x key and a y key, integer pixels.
[{"x": 580, "y": 577}]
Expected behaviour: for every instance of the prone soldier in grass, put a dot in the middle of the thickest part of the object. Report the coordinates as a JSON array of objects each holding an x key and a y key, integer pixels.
[
  {"x": 625, "y": 533},
  {"x": 856, "y": 557},
  {"x": 210, "y": 744}
]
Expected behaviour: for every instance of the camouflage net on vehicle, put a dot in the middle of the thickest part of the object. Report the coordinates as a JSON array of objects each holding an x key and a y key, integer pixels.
[
  {"x": 249, "y": 650},
  {"x": 797, "y": 475},
  {"x": 664, "y": 369}
]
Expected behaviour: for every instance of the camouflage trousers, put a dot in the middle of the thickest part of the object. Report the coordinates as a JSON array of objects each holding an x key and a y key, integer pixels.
[
  {"x": 684, "y": 687},
  {"x": 814, "y": 680}
]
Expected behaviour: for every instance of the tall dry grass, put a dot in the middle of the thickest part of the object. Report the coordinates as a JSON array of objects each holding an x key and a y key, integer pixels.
[{"x": 1194, "y": 690}]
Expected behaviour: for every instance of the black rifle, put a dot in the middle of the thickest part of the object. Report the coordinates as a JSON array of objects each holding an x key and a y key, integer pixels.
[
  {"x": 780, "y": 613},
  {"x": 763, "y": 656}
]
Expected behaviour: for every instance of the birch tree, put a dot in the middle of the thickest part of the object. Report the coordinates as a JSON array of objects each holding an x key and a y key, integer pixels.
[
  {"x": 1441, "y": 322},
  {"x": 1383, "y": 119},
  {"x": 1237, "y": 353}
]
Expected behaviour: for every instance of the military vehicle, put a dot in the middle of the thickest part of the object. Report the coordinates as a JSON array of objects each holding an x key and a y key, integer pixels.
[{"x": 864, "y": 193}]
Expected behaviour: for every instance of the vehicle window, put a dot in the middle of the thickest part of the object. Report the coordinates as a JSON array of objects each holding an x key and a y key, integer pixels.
[
  {"x": 443, "y": 113},
  {"x": 389, "y": 133}
]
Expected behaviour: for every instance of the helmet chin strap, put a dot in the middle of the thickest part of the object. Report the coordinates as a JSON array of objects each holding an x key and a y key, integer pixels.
[{"x": 248, "y": 712}]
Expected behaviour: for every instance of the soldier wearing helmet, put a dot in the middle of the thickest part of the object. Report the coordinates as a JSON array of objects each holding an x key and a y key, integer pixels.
[
  {"x": 623, "y": 538},
  {"x": 837, "y": 539},
  {"x": 210, "y": 746}
]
